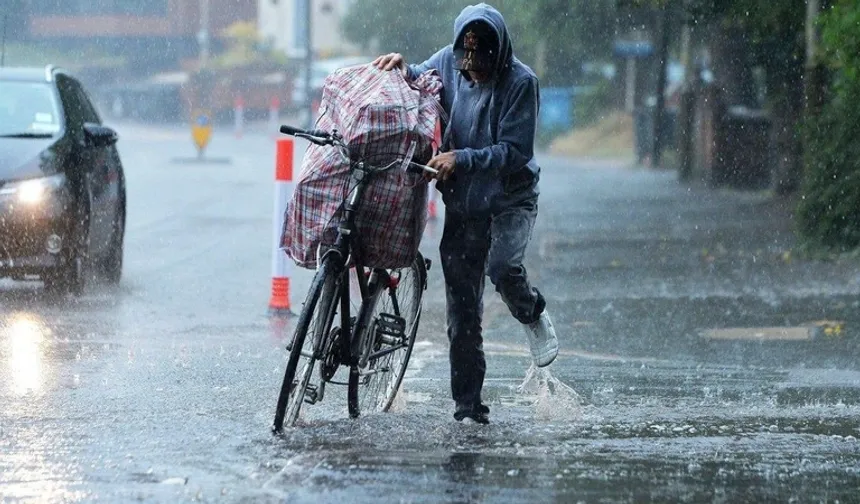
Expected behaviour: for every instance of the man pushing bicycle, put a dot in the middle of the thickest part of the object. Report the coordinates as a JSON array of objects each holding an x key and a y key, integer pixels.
[{"x": 488, "y": 178}]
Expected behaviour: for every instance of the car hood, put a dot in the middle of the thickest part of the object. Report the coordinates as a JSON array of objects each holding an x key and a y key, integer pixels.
[{"x": 22, "y": 158}]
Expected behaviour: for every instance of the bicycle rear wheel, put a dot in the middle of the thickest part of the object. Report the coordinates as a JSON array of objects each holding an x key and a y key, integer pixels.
[
  {"x": 374, "y": 388},
  {"x": 313, "y": 325}
]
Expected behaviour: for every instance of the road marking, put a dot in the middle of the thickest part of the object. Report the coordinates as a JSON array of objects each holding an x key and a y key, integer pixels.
[
  {"x": 760, "y": 334},
  {"x": 807, "y": 332}
]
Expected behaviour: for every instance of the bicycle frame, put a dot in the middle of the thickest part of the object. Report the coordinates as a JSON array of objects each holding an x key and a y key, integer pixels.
[
  {"x": 362, "y": 339},
  {"x": 371, "y": 284}
]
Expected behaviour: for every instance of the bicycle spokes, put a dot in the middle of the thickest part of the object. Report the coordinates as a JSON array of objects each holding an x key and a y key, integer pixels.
[{"x": 393, "y": 324}]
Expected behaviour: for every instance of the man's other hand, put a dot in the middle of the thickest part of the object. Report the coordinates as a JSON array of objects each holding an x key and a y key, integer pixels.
[
  {"x": 390, "y": 61},
  {"x": 445, "y": 164}
]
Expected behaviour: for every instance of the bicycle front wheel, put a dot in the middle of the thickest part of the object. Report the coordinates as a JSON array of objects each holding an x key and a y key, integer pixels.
[
  {"x": 374, "y": 388},
  {"x": 313, "y": 324}
]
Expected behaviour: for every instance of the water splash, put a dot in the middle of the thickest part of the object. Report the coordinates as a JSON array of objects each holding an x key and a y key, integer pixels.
[
  {"x": 554, "y": 399},
  {"x": 400, "y": 401}
]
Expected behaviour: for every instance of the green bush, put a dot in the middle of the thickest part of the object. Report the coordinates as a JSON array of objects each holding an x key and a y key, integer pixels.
[
  {"x": 829, "y": 211},
  {"x": 593, "y": 104}
]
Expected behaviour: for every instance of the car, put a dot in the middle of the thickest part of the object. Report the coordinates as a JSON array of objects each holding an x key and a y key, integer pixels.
[
  {"x": 62, "y": 185},
  {"x": 320, "y": 69}
]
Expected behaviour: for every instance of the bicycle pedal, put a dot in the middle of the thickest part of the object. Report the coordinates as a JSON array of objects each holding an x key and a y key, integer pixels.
[
  {"x": 312, "y": 395},
  {"x": 391, "y": 325}
]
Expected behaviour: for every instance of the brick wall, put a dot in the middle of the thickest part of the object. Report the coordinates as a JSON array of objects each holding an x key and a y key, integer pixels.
[{"x": 170, "y": 18}]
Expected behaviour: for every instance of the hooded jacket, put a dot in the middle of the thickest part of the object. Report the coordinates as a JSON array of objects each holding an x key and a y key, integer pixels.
[{"x": 491, "y": 125}]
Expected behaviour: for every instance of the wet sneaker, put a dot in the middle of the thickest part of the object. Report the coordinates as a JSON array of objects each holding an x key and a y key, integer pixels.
[
  {"x": 542, "y": 340},
  {"x": 478, "y": 414}
]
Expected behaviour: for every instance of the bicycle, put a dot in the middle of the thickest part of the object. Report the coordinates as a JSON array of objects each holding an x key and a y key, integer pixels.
[{"x": 377, "y": 342}]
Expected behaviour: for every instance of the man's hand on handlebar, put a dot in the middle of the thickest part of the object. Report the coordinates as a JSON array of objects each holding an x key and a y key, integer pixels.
[
  {"x": 445, "y": 163},
  {"x": 391, "y": 61}
]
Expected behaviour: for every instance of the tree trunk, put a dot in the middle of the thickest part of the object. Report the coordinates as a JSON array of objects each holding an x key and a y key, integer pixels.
[{"x": 732, "y": 66}]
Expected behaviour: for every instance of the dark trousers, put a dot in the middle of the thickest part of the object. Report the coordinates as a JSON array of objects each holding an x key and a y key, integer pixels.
[{"x": 472, "y": 247}]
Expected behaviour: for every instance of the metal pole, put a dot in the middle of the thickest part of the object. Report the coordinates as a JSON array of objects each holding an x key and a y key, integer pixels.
[
  {"x": 812, "y": 9},
  {"x": 814, "y": 78},
  {"x": 814, "y": 96},
  {"x": 3, "y": 48},
  {"x": 204, "y": 33},
  {"x": 630, "y": 86},
  {"x": 309, "y": 63}
]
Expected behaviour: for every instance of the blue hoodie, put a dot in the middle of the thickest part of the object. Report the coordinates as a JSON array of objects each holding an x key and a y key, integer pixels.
[{"x": 491, "y": 125}]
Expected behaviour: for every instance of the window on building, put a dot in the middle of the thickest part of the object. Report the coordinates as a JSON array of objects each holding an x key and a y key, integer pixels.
[{"x": 99, "y": 7}]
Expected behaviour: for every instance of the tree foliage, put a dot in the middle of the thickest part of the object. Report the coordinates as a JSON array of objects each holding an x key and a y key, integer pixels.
[
  {"x": 553, "y": 36},
  {"x": 773, "y": 33},
  {"x": 244, "y": 48},
  {"x": 413, "y": 28},
  {"x": 829, "y": 214}
]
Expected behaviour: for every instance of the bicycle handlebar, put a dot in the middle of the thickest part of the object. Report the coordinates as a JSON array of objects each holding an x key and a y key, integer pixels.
[
  {"x": 322, "y": 137},
  {"x": 289, "y": 130},
  {"x": 292, "y": 130}
]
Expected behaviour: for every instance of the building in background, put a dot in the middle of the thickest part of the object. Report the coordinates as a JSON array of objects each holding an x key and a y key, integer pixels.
[
  {"x": 151, "y": 35},
  {"x": 283, "y": 25}
]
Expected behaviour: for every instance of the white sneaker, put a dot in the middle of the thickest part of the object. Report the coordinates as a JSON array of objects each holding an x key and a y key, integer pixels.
[{"x": 542, "y": 340}]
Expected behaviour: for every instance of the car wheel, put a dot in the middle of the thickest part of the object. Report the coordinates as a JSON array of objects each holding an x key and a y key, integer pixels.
[
  {"x": 111, "y": 264},
  {"x": 70, "y": 277}
]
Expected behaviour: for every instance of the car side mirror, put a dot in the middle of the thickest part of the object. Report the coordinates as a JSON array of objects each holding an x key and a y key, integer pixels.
[{"x": 96, "y": 135}]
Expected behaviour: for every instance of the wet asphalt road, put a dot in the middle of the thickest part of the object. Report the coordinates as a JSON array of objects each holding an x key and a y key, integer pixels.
[{"x": 163, "y": 389}]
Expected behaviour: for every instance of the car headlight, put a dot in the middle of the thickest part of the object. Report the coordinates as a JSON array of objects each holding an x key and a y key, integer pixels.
[{"x": 32, "y": 191}]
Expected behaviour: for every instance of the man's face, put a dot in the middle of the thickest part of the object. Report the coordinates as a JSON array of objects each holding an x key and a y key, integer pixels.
[
  {"x": 475, "y": 51},
  {"x": 479, "y": 76}
]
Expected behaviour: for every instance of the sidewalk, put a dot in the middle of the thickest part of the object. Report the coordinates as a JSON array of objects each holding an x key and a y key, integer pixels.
[{"x": 636, "y": 262}]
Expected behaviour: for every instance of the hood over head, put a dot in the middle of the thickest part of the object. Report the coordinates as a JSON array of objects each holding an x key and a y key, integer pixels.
[{"x": 481, "y": 41}]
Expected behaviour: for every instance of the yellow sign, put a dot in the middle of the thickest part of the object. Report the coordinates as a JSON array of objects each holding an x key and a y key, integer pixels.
[{"x": 201, "y": 130}]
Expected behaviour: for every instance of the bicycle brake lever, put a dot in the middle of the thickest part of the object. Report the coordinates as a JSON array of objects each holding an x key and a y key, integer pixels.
[
  {"x": 322, "y": 141},
  {"x": 420, "y": 169}
]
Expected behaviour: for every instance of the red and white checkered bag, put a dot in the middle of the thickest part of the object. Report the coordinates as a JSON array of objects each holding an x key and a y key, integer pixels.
[{"x": 382, "y": 118}]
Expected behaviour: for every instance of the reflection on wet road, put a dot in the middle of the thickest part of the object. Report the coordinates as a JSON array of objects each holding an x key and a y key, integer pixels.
[{"x": 163, "y": 389}]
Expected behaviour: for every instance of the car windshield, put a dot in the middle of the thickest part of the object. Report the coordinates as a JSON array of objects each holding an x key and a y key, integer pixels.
[{"x": 28, "y": 109}]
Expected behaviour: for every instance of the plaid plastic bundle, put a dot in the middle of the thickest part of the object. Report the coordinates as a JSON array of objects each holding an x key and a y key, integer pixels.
[{"x": 383, "y": 118}]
